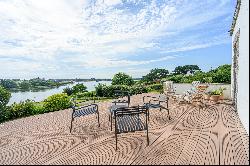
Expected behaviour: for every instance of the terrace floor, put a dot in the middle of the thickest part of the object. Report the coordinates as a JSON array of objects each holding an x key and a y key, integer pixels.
[{"x": 193, "y": 136}]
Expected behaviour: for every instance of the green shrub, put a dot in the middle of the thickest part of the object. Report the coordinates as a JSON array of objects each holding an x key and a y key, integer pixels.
[
  {"x": 4, "y": 97},
  {"x": 39, "y": 108},
  {"x": 222, "y": 74},
  {"x": 138, "y": 89},
  {"x": 155, "y": 87},
  {"x": 69, "y": 91},
  {"x": 22, "y": 109},
  {"x": 4, "y": 114},
  {"x": 57, "y": 102},
  {"x": 85, "y": 94},
  {"x": 99, "y": 90},
  {"x": 208, "y": 79},
  {"x": 187, "y": 79},
  {"x": 175, "y": 78},
  {"x": 108, "y": 91}
]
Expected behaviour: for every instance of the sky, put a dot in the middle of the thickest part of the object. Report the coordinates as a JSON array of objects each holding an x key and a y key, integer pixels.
[{"x": 98, "y": 38}]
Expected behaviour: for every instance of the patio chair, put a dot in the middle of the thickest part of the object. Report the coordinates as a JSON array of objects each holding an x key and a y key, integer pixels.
[
  {"x": 79, "y": 111},
  {"x": 117, "y": 103},
  {"x": 186, "y": 97},
  {"x": 193, "y": 89},
  {"x": 156, "y": 102},
  {"x": 119, "y": 97},
  {"x": 131, "y": 119},
  {"x": 168, "y": 87}
]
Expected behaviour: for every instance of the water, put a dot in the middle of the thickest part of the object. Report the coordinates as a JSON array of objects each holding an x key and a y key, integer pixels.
[{"x": 43, "y": 94}]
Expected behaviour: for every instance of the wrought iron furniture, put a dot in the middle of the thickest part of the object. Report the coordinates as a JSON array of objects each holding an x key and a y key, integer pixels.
[
  {"x": 157, "y": 102},
  {"x": 119, "y": 97},
  {"x": 84, "y": 110},
  {"x": 112, "y": 108},
  {"x": 131, "y": 119}
]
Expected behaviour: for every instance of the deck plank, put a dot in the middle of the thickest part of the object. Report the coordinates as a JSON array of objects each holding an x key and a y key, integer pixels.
[{"x": 213, "y": 136}]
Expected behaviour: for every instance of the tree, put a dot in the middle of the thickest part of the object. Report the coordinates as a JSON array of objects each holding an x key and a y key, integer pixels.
[
  {"x": 8, "y": 84},
  {"x": 122, "y": 79},
  {"x": 179, "y": 70},
  {"x": 25, "y": 85},
  {"x": 155, "y": 74},
  {"x": 79, "y": 88},
  {"x": 192, "y": 68},
  {"x": 69, "y": 91},
  {"x": 222, "y": 74},
  {"x": 4, "y": 97},
  {"x": 185, "y": 69}
]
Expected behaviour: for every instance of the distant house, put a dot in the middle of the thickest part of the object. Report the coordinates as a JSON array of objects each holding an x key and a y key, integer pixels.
[{"x": 240, "y": 60}]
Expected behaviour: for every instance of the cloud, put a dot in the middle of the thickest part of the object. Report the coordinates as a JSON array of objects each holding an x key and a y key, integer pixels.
[{"x": 104, "y": 33}]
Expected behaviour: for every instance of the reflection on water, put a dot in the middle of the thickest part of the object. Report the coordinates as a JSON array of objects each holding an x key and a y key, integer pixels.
[{"x": 43, "y": 94}]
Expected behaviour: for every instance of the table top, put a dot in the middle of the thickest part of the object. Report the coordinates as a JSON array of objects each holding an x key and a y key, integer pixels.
[{"x": 114, "y": 107}]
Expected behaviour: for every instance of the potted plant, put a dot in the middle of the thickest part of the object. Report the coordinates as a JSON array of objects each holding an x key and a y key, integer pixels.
[
  {"x": 207, "y": 95},
  {"x": 217, "y": 94},
  {"x": 221, "y": 93}
]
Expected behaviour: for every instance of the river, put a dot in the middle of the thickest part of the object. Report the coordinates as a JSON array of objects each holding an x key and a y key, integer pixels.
[{"x": 43, "y": 94}]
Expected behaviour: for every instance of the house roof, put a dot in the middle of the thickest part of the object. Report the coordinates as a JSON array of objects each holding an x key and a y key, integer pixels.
[{"x": 236, "y": 13}]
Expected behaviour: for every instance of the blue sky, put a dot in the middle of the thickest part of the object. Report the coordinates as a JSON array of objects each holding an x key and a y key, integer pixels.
[{"x": 98, "y": 38}]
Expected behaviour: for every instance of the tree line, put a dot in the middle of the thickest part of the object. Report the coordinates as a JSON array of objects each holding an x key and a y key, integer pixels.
[{"x": 32, "y": 84}]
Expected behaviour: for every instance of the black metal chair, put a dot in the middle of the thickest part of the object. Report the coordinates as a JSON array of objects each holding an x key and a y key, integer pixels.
[
  {"x": 130, "y": 119},
  {"x": 84, "y": 110},
  {"x": 156, "y": 102},
  {"x": 119, "y": 97}
]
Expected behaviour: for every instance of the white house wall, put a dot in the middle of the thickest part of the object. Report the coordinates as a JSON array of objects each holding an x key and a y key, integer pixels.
[{"x": 242, "y": 24}]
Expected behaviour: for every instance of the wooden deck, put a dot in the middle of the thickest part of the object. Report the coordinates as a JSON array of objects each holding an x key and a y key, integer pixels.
[{"x": 192, "y": 136}]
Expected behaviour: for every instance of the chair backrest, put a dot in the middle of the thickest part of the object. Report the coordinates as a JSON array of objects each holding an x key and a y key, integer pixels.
[
  {"x": 84, "y": 110},
  {"x": 195, "y": 83},
  {"x": 168, "y": 86},
  {"x": 124, "y": 111},
  {"x": 120, "y": 93}
]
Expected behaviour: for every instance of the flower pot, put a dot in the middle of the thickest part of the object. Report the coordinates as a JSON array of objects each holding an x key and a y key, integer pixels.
[
  {"x": 207, "y": 97},
  {"x": 221, "y": 97},
  {"x": 215, "y": 98}
]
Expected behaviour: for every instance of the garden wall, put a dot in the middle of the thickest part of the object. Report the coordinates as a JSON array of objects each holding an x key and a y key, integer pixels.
[{"x": 181, "y": 88}]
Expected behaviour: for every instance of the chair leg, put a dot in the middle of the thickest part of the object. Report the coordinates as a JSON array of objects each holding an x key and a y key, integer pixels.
[
  {"x": 148, "y": 115},
  {"x": 147, "y": 138},
  {"x": 71, "y": 125},
  {"x": 98, "y": 119},
  {"x": 115, "y": 141},
  {"x": 111, "y": 122},
  {"x": 168, "y": 115}
]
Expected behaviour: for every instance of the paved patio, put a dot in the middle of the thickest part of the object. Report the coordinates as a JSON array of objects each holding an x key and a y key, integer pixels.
[{"x": 213, "y": 135}]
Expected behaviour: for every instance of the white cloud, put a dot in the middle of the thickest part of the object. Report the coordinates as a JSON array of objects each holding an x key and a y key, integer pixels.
[{"x": 100, "y": 33}]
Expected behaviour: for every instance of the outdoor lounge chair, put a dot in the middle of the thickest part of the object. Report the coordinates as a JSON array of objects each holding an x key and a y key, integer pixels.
[
  {"x": 156, "y": 102},
  {"x": 83, "y": 111},
  {"x": 131, "y": 119}
]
